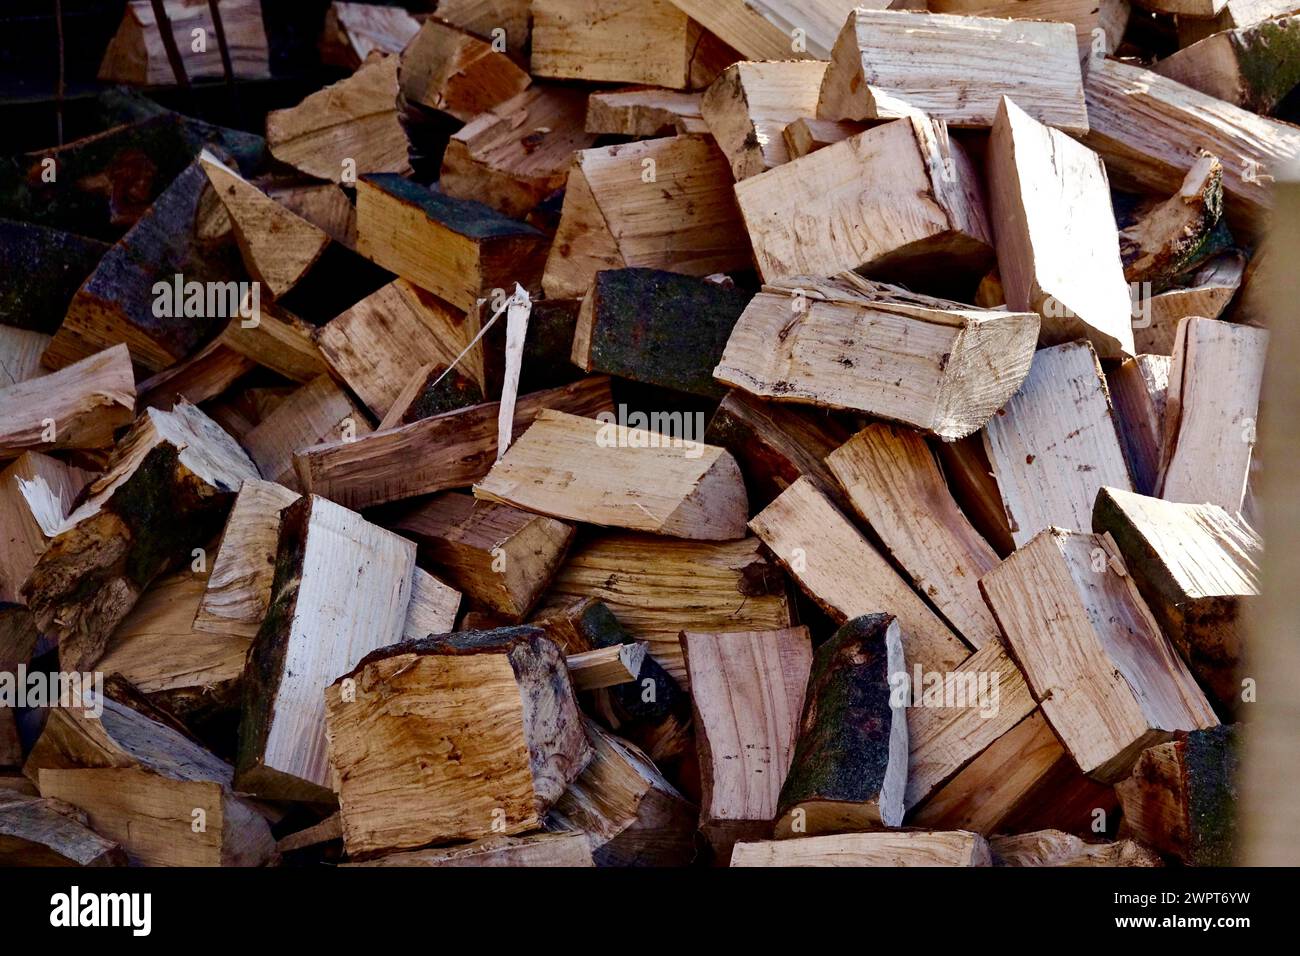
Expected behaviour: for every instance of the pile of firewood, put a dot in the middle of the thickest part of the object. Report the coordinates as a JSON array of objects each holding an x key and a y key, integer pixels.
[{"x": 644, "y": 433}]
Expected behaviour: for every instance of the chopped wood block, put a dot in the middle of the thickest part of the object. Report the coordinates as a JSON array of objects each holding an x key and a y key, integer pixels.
[
  {"x": 36, "y": 492},
  {"x": 451, "y": 450},
  {"x": 1086, "y": 16},
  {"x": 141, "y": 291},
  {"x": 1235, "y": 15},
  {"x": 656, "y": 327},
  {"x": 517, "y": 153},
  {"x": 20, "y": 355},
  {"x": 1182, "y": 798},
  {"x": 624, "y": 41},
  {"x": 323, "y": 204},
  {"x": 453, "y": 738},
  {"x": 1211, "y": 289},
  {"x": 924, "y": 206},
  {"x": 1138, "y": 388},
  {"x": 1058, "y": 251},
  {"x": 167, "y": 487},
  {"x": 1055, "y": 848},
  {"x": 136, "y": 53},
  {"x": 355, "y": 30},
  {"x": 809, "y": 134},
  {"x": 656, "y": 204},
  {"x": 898, "y": 848},
  {"x": 40, "y": 271},
  {"x": 1150, "y": 130},
  {"x": 434, "y": 389},
  {"x": 450, "y": 70},
  {"x": 432, "y": 608},
  {"x": 1055, "y": 444},
  {"x": 955, "y": 69},
  {"x": 606, "y": 666},
  {"x": 317, "y": 412},
  {"x": 604, "y": 473},
  {"x": 776, "y": 29},
  {"x": 644, "y": 112},
  {"x": 38, "y": 832},
  {"x": 1210, "y": 412},
  {"x": 484, "y": 18},
  {"x": 747, "y": 689},
  {"x": 776, "y": 444},
  {"x": 894, "y": 484},
  {"x": 971, "y": 482},
  {"x": 956, "y": 716},
  {"x": 840, "y": 570},
  {"x": 531, "y": 850},
  {"x": 278, "y": 246},
  {"x": 751, "y": 103},
  {"x": 849, "y": 767},
  {"x": 1108, "y": 680},
  {"x": 501, "y": 557},
  {"x": 341, "y": 590},
  {"x": 848, "y": 343},
  {"x": 279, "y": 341},
  {"x": 202, "y": 376},
  {"x": 1197, "y": 567},
  {"x": 238, "y": 590},
  {"x": 458, "y": 249},
  {"x": 346, "y": 129},
  {"x": 1176, "y": 236},
  {"x": 629, "y": 813}
]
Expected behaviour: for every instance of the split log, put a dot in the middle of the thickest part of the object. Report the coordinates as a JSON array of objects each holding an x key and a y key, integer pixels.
[
  {"x": 1179, "y": 234},
  {"x": 1234, "y": 15},
  {"x": 808, "y": 134},
  {"x": 79, "y": 406},
  {"x": 1197, "y": 568},
  {"x": 458, "y": 249},
  {"x": 136, "y": 54},
  {"x": 324, "y": 205},
  {"x": 452, "y": 450},
  {"x": 849, "y": 767},
  {"x": 432, "y": 608},
  {"x": 925, "y": 207},
  {"x": 276, "y": 340},
  {"x": 506, "y": 21},
  {"x": 657, "y": 204},
  {"x": 1210, "y": 412},
  {"x": 936, "y": 365},
  {"x": 971, "y": 482},
  {"x": 518, "y": 152},
  {"x": 624, "y": 41},
  {"x": 204, "y": 375},
  {"x": 36, "y": 492},
  {"x": 747, "y": 689},
  {"x": 897, "y": 848},
  {"x": 656, "y": 327},
  {"x": 341, "y": 589},
  {"x": 751, "y": 103},
  {"x": 603, "y": 473},
  {"x": 969, "y": 64},
  {"x": 40, "y": 271},
  {"x": 606, "y": 666},
  {"x": 20, "y": 355},
  {"x": 450, "y": 70},
  {"x": 166, "y": 491},
  {"x": 1107, "y": 678},
  {"x": 346, "y": 129},
  {"x": 1150, "y": 130},
  {"x": 1207, "y": 295},
  {"x": 1055, "y": 444},
  {"x": 532, "y": 850},
  {"x": 895, "y": 486},
  {"x": 1058, "y": 254},
  {"x": 501, "y": 557},
  {"x": 644, "y": 112},
  {"x": 39, "y": 832},
  {"x": 1182, "y": 798},
  {"x": 1086, "y": 16},
  {"x": 317, "y": 412},
  {"x": 775, "y": 30},
  {"x": 840, "y": 570},
  {"x": 434, "y": 389},
  {"x": 456, "y": 737},
  {"x": 1138, "y": 388},
  {"x": 1055, "y": 848},
  {"x": 355, "y": 30}
]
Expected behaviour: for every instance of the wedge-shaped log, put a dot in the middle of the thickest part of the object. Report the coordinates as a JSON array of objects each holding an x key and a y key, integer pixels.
[
  {"x": 355, "y": 30},
  {"x": 840, "y": 570},
  {"x": 136, "y": 54},
  {"x": 954, "y": 69},
  {"x": 656, "y": 327},
  {"x": 848, "y": 343},
  {"x": 1182, "y": 797},
  {"x": 1208, "y": 295},
  {"x": 1055, "y": 444},
  {"x": 643, "y": 112},
  {"x": 897, "y": 848},
  {"x": 658, "y": 204},
  {"x": 458, "y": 249},
  {"x": 1247, "y": 67},
  {"x": 1058, "y": 251},
  {"x": 894, "y": 484},
  {"x": 79, "y": 406},
  {"x": 39, "y": 832},
  {"x": 749, "y": 105},
  {"x": 1108, "y": 680},
  {"x": 849, "y": 767},
  {"x": 503, "y": 558},
  {"x": 346, "y": 129},
  {"x": 341, "y": 590},
  {"x": 766, "y": 31},
  {"x": 747, "y": 688},
  {"x": 606, "y": 666},
  {"x": 1150, "y": 130},
  {"x": 451, "y": 450},
  {"x": 603, "y": 473},
  {"x": 455, "y": 737},
  {"x": 447, "y": 69},
  {"x": 36, "y": 492},
  {"x": 319, "y": 411},
  {"x": 532, "y": 850},
  {"x": 1210, "y": 412},
  {"x": 1056, "y": 848},
  {"x": 1197, "y": 567},
  {"x": 1138, "y": 387},
  {"x": 166, "y": 490},
  {"x": 279, "y": 341},
  {"x": 924, "y": 206},
  {"x": 809, "y": 134}
]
